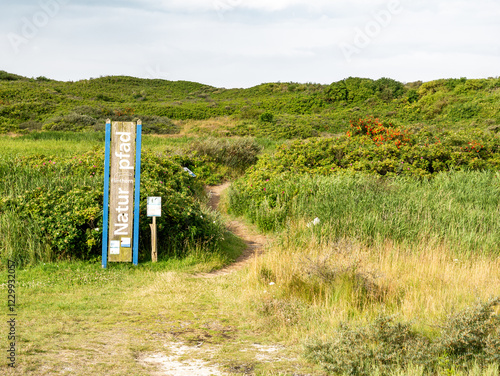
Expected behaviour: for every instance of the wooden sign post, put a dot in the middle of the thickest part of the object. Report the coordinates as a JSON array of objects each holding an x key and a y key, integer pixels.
[
  {"x": 121, "y": 187},
  {"x": 154, "y": 241},
  {"x": 154, "y": 210}
]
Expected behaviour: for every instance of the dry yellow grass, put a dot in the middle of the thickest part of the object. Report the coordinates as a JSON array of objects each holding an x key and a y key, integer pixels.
[
  {"x": 215, "y": 126},
  {"x": 421, "y": 284}
]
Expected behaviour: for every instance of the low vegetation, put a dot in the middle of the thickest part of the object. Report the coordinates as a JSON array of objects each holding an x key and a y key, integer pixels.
[{"x": 467, "y": 338}]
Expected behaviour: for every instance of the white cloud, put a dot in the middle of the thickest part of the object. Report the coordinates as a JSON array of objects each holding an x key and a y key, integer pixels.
[{"x": 235, "y": 43}]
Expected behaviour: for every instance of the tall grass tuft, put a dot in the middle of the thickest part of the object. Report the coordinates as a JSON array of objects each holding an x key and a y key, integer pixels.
[
  {"x": 237, "y": 153},
  {"x": 458, "y": 210},
  {"x": 21, "y": 241}
]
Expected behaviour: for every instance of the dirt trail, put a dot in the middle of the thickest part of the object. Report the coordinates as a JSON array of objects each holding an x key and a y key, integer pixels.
[
  {"x": 254, "y": 241},
  {"x": 176, "y": 363}
]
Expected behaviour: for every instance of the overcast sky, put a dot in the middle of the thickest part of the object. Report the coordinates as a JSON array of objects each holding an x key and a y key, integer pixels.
[{"x": 242, "y": 43}]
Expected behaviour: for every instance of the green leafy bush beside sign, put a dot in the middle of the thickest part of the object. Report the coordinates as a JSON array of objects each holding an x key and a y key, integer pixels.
[{"x": 62, "y": 205}]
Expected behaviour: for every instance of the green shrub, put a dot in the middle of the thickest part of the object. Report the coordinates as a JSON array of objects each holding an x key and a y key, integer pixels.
[
  {"x": 249, "y": 113},
  {"x": 69, "y": 220},
  {"x": 62, "y": 200},
  {"x": 472, "y": 335},
  {"x": 412, "y": 95},
  {"x": 377, "y": 147},
  {"x": 470, "y": 338},
  {"x": 382, "y": 345},
  {"x": 465, "y": 111},
  {"x": 267, "y": 117},
  {"x": 104, "y": 98},
  {"x": 5, "y": 76},
  {"x": 336, "y": 92},
  {"x": 388, "y": 89}
]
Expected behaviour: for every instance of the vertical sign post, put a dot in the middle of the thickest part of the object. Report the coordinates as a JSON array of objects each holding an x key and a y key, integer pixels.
[
  {"x": 119, "y": 225},
  {"x": 154, "y": 210},
  {"x": 105, "y": 216},
  {"x": 137, "y": 192}
]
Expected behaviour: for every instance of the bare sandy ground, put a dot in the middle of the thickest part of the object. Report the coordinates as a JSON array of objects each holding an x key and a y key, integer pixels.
[{"x": 173, "y": 365}]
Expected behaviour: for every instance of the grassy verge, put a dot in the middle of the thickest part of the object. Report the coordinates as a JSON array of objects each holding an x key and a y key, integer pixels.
[
  {"x": 76, "y": 318},
  {"x": 455, "y": 210}
]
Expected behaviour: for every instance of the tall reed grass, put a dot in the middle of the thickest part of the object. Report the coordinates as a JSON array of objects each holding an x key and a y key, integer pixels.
[{"x": 458, "y": 210}]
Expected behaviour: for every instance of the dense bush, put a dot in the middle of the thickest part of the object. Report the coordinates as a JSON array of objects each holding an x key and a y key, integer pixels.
[
  {"x": 5, "y": 76},
  {"x": 375, "y": 147},
  {"x": 468, "y": 338},
  {"x": 267, "y": 117},
  {"x": 356, "y": 90},
  {"x": 360, "y": 351},
  {"x": 471, "y": 335},
  {"x": 379, "y": 133},
  {"x": 61, "y": 198}
]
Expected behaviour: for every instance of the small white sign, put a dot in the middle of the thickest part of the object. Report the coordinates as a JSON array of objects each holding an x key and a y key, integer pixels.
[
  {"x": 125, "y": 242},
  {"x": 114, "y": 247},
  {"x": 154, "y": 206}
]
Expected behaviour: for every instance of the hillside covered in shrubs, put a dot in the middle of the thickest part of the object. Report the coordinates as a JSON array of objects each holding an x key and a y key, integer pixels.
[{"x": 275, "y": 110}]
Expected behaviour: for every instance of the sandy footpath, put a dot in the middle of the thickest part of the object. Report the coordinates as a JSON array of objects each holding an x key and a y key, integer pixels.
[{"x": 173, "y": 362}]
